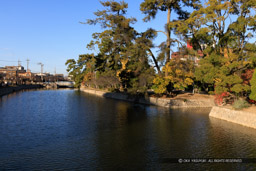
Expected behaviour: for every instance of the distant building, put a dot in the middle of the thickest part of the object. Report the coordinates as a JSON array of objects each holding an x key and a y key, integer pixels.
[
  {"x": 175, "y": 55},
  {"x": 189, "y": 46},
  {"x": 26, "y": 74},
  {"x": 60, "y": 77},
  {"x": 12, "y": 75},
  {"x": 183, "y": 54}
]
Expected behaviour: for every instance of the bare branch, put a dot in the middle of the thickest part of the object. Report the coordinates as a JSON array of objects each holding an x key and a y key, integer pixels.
[{"x": 162, "y": 32}]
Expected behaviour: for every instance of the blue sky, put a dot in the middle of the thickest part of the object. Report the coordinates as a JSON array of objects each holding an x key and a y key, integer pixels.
[{"x": 49, "y": 31}]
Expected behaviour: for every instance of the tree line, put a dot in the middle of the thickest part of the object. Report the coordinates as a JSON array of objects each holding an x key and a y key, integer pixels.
[{"x": 220, "y": 32}]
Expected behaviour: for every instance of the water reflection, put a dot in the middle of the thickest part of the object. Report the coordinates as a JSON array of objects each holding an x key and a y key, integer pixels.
[
  {"x": 226, "y": 133},
  {"x": 72, "y": 130}
]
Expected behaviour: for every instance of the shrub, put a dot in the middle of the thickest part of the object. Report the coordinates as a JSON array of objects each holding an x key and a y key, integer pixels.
[
  {"x": 220, "y": 98},
  {"x": 252, "y": 101},
  {"x": 240, "y": 104},
  {"x": 211, "y": 92}
]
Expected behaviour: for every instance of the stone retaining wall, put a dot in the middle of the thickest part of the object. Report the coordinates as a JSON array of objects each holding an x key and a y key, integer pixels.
[
  {"x": 164, "y": 102},
  {"x": 240, "y": 117},
  {"x": 8, "y": 90}
]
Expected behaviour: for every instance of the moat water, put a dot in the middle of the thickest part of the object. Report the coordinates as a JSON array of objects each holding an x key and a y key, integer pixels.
[{"x": 71, "y": 130}]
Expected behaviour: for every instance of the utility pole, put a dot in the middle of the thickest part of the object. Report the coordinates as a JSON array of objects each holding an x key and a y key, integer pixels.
[
  {"x": 19, "y": 63},
  {"x": 17, "y": 75},
  {"x": 56, "y": 78},
  {"x": 42, "y": 67},
  {"x": 27, "y": 64}
]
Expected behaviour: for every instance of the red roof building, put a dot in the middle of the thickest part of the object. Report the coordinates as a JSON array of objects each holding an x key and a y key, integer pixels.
[{"x": 195, "y": 58}]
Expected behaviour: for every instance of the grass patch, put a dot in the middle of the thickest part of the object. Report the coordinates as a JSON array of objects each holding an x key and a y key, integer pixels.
[{"x": 240, "y": 104}]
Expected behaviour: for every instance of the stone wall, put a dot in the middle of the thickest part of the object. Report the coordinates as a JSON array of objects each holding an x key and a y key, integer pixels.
[
  {"x": 240, "y": 117},
  {"x": 8, "y": 90},
  {"x": 164, "y": 102}
]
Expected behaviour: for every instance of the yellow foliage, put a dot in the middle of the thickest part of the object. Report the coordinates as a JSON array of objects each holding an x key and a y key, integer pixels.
[
  {"x": 188, "y": 81},
  {"x": 160, "y": 84},
  {"x": 178, "y": 71},
  {"x": 87, "y": 77},
  {"x": 124, "y": 62},
  {"x": 167, "y": 68},
  {"x": 217, "y": 80},
  {"x": 118, "y": 72}
]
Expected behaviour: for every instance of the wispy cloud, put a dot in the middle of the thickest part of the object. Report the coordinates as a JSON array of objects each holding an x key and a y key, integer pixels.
[{"x": 5, "y": 49}]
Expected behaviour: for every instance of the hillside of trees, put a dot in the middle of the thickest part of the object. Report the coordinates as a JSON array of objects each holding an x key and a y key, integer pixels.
[{"x": 216, "y": 42}]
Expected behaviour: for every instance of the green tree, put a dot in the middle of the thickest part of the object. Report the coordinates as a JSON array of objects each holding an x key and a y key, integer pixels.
[
  {"x": 74, "y": 72},
  {"x": 143, "y": 44},
  {"x": 121, "y": 49},
  {"x": 78, "y": 69},
  {"x": 151, "y": 7},
  {"x": 225, "y": 44},
  {"x": 113, "y": 43},
  {"x": 253, "y": 86}
]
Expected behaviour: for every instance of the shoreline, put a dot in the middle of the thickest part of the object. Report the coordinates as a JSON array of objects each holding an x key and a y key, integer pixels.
[
  {"x": 240, "y": 117},
  {"x": 179, "y": 102},
  {"x": 8, "y": 90}
]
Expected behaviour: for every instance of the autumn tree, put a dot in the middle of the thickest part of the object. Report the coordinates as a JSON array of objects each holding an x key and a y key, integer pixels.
[
  {"x": 180, "y": 75},
  {"x": 223, "y": 30}
]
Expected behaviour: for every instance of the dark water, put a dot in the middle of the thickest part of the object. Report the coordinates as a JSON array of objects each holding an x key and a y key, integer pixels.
[{"x": 71, "y": 130}]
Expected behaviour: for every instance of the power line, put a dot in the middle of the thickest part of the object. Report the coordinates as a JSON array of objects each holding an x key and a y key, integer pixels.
[
  {"x": 18, "y": 61},
  {"x": 30, "y": 62},
  {"x": 8, "y": 61}
]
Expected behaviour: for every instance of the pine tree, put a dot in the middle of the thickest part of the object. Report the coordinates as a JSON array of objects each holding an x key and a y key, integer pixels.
[
  {"x": 122, "y": 52},
  {"x": 151, "y": 7}
]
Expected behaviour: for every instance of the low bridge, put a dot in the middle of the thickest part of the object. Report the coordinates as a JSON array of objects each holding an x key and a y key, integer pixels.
[
  {"x": 59, "y": 84},
  {"x": 65, "y": 84}
]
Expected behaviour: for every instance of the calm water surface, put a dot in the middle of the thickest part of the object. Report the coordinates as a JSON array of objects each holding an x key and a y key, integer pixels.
[{"x": 67, "y": 129}]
